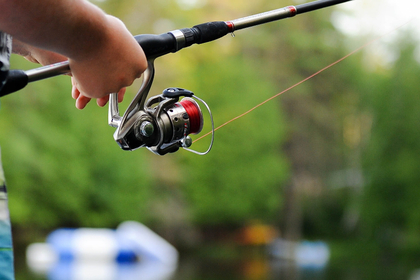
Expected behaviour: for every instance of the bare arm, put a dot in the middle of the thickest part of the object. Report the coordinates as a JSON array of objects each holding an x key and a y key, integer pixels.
[
  {"x": 104, "y": 57},
  {"x": 55, "y": 25}
]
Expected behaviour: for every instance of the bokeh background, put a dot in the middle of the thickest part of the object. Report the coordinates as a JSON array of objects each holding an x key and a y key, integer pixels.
[{"x": 334, "y": 159}]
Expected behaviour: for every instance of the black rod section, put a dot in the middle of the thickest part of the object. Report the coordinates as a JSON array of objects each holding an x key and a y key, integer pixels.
[{"x": 311, "y": 6}]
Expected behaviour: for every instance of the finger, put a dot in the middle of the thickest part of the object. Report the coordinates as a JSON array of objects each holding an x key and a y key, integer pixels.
[
  {"x": 82, "y": 101},
  {"x": 75, "y": 93},
  {"x": 102, "y": 101},
  {"x": 121, "y": 94}
]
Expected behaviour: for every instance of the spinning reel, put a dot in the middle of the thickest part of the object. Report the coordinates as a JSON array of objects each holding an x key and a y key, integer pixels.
[{"x": 163, "y": 123}]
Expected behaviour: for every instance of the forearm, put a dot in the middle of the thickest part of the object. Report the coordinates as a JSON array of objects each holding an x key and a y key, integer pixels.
[
  {"x": 74, "y": 28},
  {"x": 94, "y": 43}
]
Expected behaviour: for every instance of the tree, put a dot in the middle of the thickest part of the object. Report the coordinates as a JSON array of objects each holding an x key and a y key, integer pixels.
[{"x": 390, "y": 208}]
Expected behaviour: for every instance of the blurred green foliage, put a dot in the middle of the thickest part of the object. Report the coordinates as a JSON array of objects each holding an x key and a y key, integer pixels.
[
  {"x": 390, "y": 203},
  {"x": 335, "y": 157},
  {"x": 64, "y": 168}
]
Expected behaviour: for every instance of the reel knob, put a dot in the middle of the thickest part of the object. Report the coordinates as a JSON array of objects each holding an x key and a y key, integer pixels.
[
  {"x": 146, "y": 129},
  {"x": 186, "y": 142}
]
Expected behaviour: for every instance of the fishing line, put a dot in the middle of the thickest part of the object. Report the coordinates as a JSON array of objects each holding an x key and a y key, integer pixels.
[{"x": 304, "y": 80}]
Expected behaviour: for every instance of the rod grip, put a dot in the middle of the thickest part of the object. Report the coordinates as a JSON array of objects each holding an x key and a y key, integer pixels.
[
  {"x": 211, "y": 31},
  {"x": 156, "y": 45},
  {"x": 16, "y": 80},
  {"x": 159, "y": 45}
]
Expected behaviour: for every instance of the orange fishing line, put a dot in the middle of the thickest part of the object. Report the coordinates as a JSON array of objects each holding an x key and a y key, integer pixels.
[{"x": 304, "y": 80}]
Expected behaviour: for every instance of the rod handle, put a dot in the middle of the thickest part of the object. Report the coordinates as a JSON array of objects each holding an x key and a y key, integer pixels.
[
  {"x": 16, "y": 80},
  {"x": 156, "y": 45}
]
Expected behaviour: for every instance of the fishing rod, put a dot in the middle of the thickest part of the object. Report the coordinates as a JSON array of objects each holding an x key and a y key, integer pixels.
[{"x": 163, "y": 124}]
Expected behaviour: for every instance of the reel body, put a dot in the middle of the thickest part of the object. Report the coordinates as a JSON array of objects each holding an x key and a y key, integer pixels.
[{"x": 162, "y": 124}]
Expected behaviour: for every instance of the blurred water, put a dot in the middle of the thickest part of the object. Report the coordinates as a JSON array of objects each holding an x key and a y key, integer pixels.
[{"x": 253, "y": 266}]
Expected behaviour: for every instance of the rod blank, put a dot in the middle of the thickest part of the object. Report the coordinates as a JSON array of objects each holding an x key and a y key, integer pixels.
[
  {"x": 281, "y": 13},
  {"x": 266, "y": 17}
]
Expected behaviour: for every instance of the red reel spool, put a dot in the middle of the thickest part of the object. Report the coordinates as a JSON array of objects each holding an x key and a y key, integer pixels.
[{"x": 194, "y": 113}]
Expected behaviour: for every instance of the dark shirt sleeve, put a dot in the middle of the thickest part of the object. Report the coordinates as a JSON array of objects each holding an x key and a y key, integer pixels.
[{"x": 5, "y": 50}]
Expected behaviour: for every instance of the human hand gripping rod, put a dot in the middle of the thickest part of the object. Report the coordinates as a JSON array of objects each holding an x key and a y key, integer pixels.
[{"x": 163, "y": 123}]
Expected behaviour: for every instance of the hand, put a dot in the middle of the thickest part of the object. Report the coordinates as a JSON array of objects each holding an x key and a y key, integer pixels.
[
  {"x": 112, "y": 65},
  {"x": 102, "y": 73},
  {"x": 82, "y": 101},
  {"x": 45, "y": 57},
  {"x": 103, "y": 55}
]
